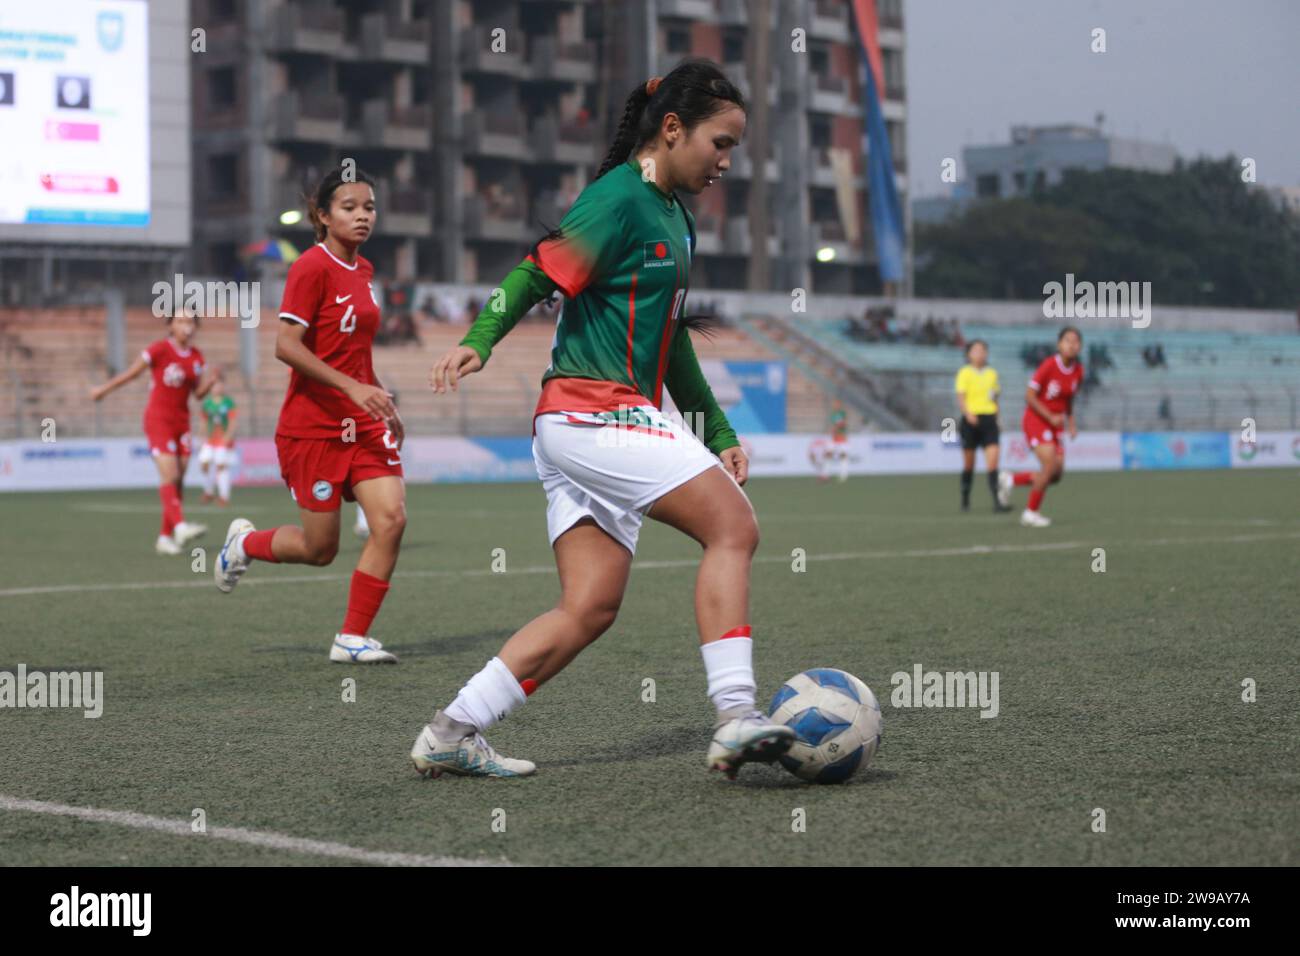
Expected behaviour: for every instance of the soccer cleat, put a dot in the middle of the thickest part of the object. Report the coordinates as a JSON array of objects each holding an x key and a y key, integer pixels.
[
  {"x": 746, "y": 734},
  {"x": 166, "y": 545},
  {"x": 351, "y": 649},
  {"x": 460, "y": 749},
  {"x": 231, "y": 563},
  {"x": 1001, "y": 509},
  {"x": 1032, "y": 519},
  {"x": 1005, "y": 483},
  {"x": 185, "y": 532},
  {"x": 361, "y": 531}
]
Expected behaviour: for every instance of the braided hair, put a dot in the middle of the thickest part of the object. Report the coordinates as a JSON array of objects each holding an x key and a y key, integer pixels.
[{"x": 694, "y": 90}]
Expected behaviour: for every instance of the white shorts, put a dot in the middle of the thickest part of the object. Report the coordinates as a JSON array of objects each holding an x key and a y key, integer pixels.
[
  {"x": 612, "y": 473},
  {"x": 219, "y": 455}
]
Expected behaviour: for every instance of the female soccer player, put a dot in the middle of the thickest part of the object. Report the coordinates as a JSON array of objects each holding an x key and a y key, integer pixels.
[
  {"x": 839, "y": 450},
  {"x": 339, "y": 435},
  {"x": 977, "y": 396},
  {"x": 1049, "y": 408},
  {"x": 621, "y": 257},
  {"x": 218, "y": 448},
  {"x": 177, "y": 370}
]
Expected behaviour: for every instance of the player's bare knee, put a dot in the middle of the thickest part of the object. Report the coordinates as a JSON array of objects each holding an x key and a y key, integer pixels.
[
  {"x": 600, "y": 620},
  {"x": 593, "y": 620},
  {"x": 388, "y": 523},
  {"x": 741, "y": 534}
]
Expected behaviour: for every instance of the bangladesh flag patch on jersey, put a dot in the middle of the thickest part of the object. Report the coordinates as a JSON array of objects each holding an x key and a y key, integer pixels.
[{"x": 658, "y": 253}]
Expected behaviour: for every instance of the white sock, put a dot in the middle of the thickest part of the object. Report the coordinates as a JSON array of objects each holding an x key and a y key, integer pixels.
[
  {"x": 209, "y": 480},
  {"x": 223, "y": 484},
  {"x": 488, "y": 697},
  {"x": 729, "y": 664},
  {"x": 361, "y": 518}
]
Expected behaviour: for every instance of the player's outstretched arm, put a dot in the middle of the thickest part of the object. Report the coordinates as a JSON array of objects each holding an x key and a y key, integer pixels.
[
  {"x": 293, "y": 352},
  {"x": 117, "y": 381},
  {"x": 690, "y": 390},
  {"x": 523, "y": 288}
]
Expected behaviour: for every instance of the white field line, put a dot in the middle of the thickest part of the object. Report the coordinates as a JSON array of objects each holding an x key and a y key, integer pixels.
[
  {"x": 262, "y": 838},
  {"x": 974, "y": 549}
]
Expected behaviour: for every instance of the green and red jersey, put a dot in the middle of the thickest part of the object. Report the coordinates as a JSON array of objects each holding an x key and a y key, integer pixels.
[
  {"x": 219, "y": 412},
  {"x": 839, "y": 424},
  {"x": 622, "y": 260}
]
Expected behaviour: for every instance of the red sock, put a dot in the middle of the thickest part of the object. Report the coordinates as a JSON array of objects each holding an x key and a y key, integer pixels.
[
  {"x": 743, "y": 631},
  {"x": 1036, "y": 499},
  {"x": 1023, "y": 478},
  {"x": 171, "y": 508},
  {"x": 257, "y": 545},
  {"x": 364, "y": 598}
]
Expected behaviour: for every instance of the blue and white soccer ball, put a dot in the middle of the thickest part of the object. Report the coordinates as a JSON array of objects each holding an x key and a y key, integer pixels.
[{"x": 838, "y": 722}]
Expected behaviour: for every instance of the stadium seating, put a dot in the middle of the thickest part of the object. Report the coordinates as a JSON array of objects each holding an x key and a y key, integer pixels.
[
  {"x": 1210, "y": 379},
  {"x": 52, "y": 357}
]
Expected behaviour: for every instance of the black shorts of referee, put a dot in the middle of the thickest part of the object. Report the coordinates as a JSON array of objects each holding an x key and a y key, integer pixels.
[{"x": 980, "y": 435}]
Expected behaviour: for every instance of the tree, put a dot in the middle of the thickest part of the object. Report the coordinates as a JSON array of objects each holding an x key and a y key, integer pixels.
[{"x": 1199, "y": 235}]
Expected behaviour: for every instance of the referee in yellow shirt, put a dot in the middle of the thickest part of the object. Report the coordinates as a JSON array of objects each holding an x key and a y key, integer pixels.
[{"x": 977, "y": 397}]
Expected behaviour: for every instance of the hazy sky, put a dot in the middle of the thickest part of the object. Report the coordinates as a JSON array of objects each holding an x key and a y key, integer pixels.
[{"x": 1206, "y": 76}]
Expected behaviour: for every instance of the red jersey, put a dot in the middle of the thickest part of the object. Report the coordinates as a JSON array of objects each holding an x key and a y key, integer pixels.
[
  {"x": 174, "y": 374},
  {"x": 337, "y": 304},
  {"x": 1056, "y": 385}
]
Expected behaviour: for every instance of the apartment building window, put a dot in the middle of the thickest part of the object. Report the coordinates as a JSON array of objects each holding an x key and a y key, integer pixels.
[
  {"x": 223, "y": 175},
  {"x": 678, "y": 40},
  {"x": 223, "y": 11},
  {"x": 221, "y": 88},
  {"x": 737, "y": 198},
  {"x": 824, "y": 206},
  {"x": 986, "y": 186},
  {"x": 819, "y": 132},
  {"x": 733, "y": 47},
  {"x": 893, "y": 64}
]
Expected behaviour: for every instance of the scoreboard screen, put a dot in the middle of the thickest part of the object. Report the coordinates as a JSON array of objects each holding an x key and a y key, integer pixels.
[{"x": 74, "y": 112}]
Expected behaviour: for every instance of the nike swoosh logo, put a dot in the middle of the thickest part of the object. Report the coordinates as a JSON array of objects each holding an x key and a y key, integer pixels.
[
  {"x": 398, "y": 462},
  {"x": 340, "y": 299}
]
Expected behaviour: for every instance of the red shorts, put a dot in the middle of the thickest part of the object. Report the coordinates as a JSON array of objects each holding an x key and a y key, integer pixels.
[
  {"x": 167, "y": 438},
  {"x": 1040, "y": 432},
  {"x": 319, "y": 470}
]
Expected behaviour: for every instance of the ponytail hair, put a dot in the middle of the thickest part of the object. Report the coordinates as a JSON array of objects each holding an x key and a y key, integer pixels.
[
  {"x": 695, "y": 90},
  {"x": 319, "y": 201}
]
